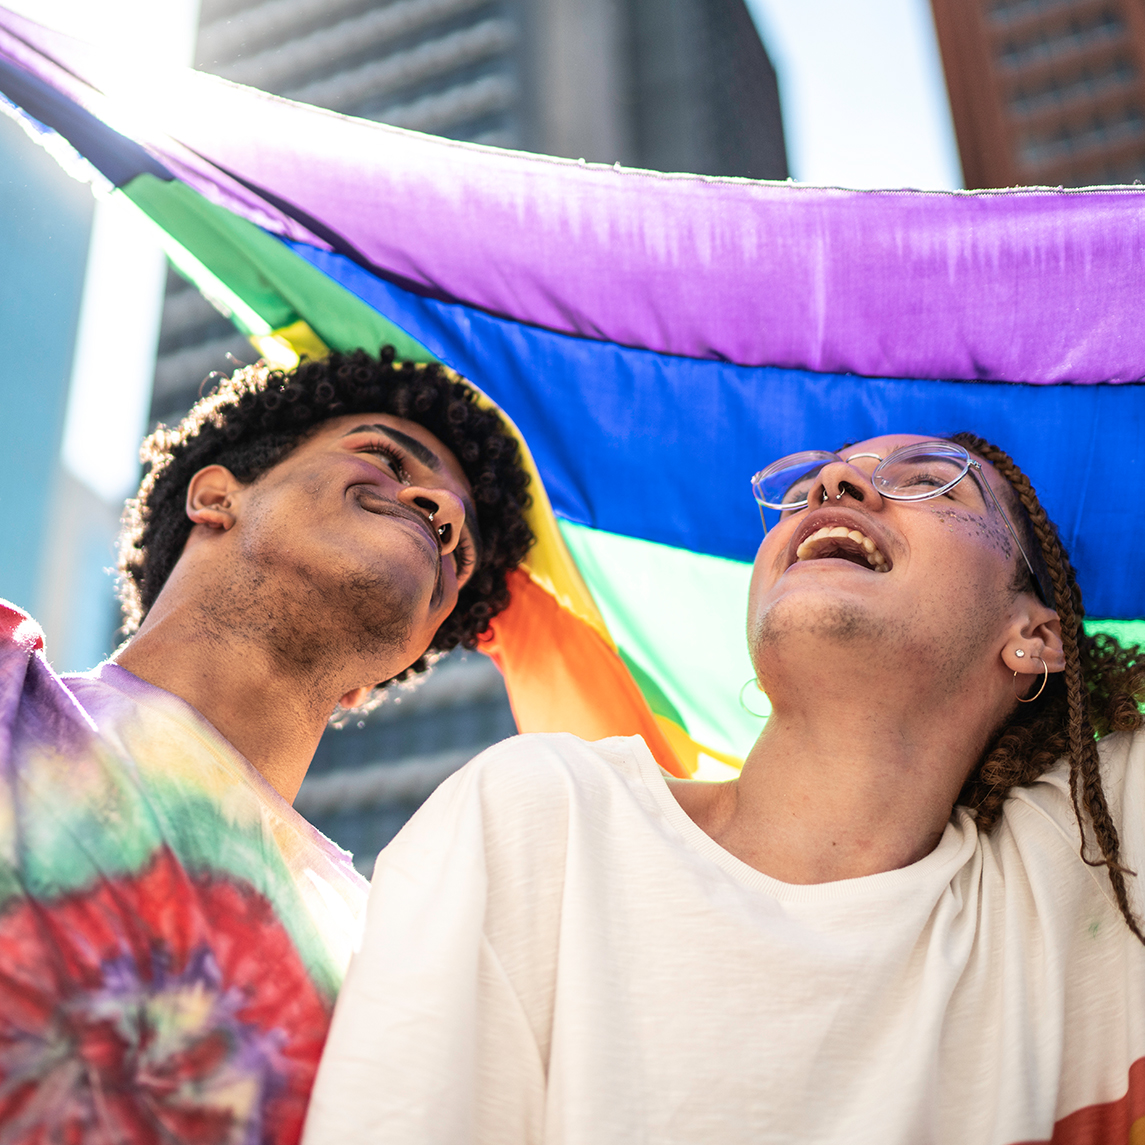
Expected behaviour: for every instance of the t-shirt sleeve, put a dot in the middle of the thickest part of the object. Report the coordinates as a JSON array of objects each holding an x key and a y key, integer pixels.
[{"x": 430, "y": 1042}]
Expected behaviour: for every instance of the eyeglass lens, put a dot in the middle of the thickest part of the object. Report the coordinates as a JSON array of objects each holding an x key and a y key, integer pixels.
[{"x": 911, "y": 473}]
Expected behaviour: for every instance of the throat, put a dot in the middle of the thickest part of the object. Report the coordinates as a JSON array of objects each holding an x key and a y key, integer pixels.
[{"x": 825, "y": 799}]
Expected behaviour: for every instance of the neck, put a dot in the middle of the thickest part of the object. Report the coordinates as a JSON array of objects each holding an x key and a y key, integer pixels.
[
  {"x": 272, "y": 709},
  {"x": 850, "y": 782}
]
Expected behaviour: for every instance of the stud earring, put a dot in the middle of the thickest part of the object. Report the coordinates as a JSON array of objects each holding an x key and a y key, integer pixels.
[{"x": 1019, "y": 652}]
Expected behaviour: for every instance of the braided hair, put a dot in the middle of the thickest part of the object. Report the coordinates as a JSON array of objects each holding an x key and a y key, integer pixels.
[
  {"x": 252, "y": 420},
  {"x": 1100, "y": 691}
]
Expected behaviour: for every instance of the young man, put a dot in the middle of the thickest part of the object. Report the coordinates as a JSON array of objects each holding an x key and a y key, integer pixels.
[
  {"x": 911, "y": 919},
  {"x": 172, "y": 933}
]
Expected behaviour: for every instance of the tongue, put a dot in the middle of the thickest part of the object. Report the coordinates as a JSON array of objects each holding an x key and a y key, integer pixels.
[{"x": 841, "y": 548}]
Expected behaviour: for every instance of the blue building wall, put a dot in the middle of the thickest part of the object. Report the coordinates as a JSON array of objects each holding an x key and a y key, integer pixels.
[{"x": 45, "y": 223}]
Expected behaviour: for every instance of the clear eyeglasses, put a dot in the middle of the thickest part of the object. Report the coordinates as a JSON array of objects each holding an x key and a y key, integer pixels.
[{"x": 915, "y": 472}]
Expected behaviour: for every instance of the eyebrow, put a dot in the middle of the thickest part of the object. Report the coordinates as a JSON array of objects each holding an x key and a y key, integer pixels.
[
  {"x": 431, "y": 461},
  {"x": 411, "y": 444}
]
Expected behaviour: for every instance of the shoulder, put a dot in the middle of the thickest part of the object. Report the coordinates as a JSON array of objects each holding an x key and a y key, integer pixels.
[
  {"x": 551, "y": 763},
  {"x": 1048, "y": 800},
  {"x": 1122, "y": 763},
  {"x": 19, "y": 633},
  {"x": 528, "y": 787}
]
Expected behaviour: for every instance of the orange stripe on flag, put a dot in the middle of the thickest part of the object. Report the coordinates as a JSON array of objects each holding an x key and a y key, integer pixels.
[{"x": 562, "y": 677}]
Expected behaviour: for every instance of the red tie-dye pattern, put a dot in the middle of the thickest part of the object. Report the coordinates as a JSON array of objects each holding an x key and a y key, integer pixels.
[{"x": 155, "y": 1007}]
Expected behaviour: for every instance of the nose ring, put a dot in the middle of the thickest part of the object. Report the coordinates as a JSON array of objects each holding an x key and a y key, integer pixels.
[
  {"x": 839, "y": 495},
  {"x": 432, "y": 515}
]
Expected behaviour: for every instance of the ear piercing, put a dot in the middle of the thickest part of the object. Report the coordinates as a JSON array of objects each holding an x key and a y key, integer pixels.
[
  {"x": 1045, "y": 680},
  {"x": 1019, "y": 652}
]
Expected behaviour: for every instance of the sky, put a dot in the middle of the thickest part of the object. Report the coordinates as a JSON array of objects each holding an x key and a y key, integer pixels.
[{"x": 862, "y": 91}]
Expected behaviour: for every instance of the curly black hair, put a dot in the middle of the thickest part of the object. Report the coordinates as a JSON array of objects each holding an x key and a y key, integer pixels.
[{"x": 253, "y": 419}]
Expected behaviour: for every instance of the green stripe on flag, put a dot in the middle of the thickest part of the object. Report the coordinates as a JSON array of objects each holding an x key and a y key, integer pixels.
[
  {"x": 1127, "y": 631},
  {"x": 259, "y": 275},
  {"x": 689, "y": 669},
  {"x": 690, "y": 664}
]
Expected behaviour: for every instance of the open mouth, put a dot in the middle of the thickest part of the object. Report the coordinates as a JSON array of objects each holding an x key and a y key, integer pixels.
[{"x": 843, "y": 543}]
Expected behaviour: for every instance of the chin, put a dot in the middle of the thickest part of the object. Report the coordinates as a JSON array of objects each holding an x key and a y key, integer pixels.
[{"x": 797, "y": 621}]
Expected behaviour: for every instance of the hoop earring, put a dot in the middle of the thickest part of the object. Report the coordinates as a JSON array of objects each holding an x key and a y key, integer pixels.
[
  {"x": 758, "y": 715},
  {"x": 1045, "y": 681}
]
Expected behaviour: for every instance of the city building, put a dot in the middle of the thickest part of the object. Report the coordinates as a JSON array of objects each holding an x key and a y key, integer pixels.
[{"x": 1046, "y": 92}]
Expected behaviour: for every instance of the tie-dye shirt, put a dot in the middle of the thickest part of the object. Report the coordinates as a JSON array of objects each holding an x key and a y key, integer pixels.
[{"x": 172, "y": 932}]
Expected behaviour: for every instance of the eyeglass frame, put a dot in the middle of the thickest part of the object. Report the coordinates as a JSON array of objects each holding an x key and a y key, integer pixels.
[{"x": 968, "y": 463}]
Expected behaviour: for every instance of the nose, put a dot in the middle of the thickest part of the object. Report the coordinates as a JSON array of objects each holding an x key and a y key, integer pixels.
[
  {"x": 840, "y": 481},
  {"x": 441, "y": 508}
]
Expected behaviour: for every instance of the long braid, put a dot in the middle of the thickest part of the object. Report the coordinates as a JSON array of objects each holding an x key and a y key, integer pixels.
[{"x": 1017, "y": 743}]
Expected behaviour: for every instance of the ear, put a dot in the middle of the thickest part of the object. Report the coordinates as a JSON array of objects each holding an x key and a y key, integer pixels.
[
  {"x": 211, "y": 497},
  {"x": 1036, "y": 630},
  {"x": 355, "y": 698}
]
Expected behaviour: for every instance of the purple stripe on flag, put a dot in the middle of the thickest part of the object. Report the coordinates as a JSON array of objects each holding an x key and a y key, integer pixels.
[{"x": 1032, "y": 286}]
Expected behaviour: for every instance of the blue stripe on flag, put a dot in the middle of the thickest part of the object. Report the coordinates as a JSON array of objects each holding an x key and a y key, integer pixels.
[{"x": 659, "y": 447}]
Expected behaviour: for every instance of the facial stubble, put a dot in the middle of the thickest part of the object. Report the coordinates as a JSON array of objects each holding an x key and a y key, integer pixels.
[{"x": 313, "y": 619}]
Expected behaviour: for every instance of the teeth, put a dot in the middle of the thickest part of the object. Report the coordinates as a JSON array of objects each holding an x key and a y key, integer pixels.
[{"x": 870, "y": 550}]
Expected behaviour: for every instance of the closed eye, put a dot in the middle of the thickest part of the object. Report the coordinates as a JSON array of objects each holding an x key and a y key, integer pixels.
[
  {"x": 393, "y": 457},
  {"x": 462, "y": 557},
  {"x": 927, "y": 480}
]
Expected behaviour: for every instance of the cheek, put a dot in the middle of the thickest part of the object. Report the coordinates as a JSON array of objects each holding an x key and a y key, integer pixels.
[
  {"x": 969, "y": 557},
  {"x": 760, "y": 572},
  {"x": 978, "y": 530}
]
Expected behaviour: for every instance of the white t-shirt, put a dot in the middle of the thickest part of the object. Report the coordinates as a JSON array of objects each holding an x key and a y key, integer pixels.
[{"x": 554, "y": 952}]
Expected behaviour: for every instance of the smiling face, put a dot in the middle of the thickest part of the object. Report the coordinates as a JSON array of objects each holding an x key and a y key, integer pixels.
[
  {"x": 362, "y": 535},
  {"x": 926, "y": 584}
]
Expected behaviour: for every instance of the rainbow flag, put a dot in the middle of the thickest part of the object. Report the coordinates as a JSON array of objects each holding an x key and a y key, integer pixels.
[{"x": 655, "y": 339}]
